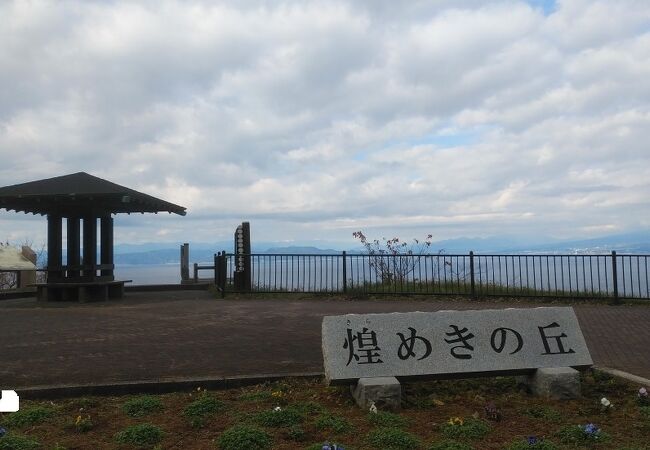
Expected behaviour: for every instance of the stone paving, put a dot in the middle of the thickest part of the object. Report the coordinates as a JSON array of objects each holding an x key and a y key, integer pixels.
[{"x": 190, "y": 334}]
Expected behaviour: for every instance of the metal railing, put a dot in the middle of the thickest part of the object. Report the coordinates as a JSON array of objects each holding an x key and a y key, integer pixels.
[{"x": 539, "y": 275}]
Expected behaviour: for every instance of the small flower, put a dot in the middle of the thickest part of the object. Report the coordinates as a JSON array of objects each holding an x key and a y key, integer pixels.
[
  {"x": 456, "y": 421},
  {"x": 2, "y": 431},
  {"x": 373, "y": 408},
  {"x": 643, "y": 392},
  {"x": 591, "y": 430},
  {"x": 277, "y": 409},
  {"x": 532, "y": 440},
  {"x": 606, "y": 403},
  {"x": 78, "y": 420}
]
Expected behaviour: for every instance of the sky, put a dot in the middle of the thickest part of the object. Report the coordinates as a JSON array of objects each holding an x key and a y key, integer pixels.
[{"x": 315, "y": 119}]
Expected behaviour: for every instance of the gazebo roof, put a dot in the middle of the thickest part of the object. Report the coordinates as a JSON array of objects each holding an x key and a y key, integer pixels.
[{"x": 80, "y": 193}]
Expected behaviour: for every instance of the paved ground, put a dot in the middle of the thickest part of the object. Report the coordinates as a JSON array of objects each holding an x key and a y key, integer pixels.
[{"x": 150, "y": 336}]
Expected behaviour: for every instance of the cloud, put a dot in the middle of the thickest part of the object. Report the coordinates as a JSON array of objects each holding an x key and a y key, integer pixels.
[{"x": 314, "y": 118}]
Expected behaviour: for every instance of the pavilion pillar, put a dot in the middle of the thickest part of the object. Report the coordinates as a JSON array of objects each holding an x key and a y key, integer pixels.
[
  {"x": 74, "y": 247},
  {"x": 90, "y": 247},
  {"x": 106, "y": 245},
  {"x": 54, "y": 247}
]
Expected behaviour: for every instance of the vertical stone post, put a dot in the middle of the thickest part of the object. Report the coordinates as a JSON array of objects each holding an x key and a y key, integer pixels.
[
  {"x": 246, "y": 227},
  {"x": 185, "y": 262}
]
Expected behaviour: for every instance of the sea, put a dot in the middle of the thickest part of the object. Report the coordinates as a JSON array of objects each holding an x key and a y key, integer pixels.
[{"x": 149, "y": 273}]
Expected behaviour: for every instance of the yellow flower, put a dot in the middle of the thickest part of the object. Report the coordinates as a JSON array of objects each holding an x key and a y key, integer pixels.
[
  {"x": 78, "y": 420},
  {"x": 456, "y": 421}
]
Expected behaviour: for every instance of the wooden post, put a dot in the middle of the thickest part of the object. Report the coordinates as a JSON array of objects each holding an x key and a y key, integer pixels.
[
  {"x": 73, "y": 246},
  {"x": 106, "y": 246},
  {"x": 54, "y": 244},
  {"x": 90, "y": 247}
]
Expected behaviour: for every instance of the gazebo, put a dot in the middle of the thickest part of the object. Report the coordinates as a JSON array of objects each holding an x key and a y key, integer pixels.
[{"x": 83, "y": 200}]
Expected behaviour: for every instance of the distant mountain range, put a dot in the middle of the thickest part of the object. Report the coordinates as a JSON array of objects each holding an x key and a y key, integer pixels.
[{"x": 169, "y": 253}]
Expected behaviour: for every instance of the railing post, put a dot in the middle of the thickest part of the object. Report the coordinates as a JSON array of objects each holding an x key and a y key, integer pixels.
[
  {"x": 471, "y": 274},
  {"x": 345, "y": 273},
  {"x": 216, "y": 269},
  {"x": 615, "y": 278},
  {"x": 223, "y": 276},
  {"x": 196, "y": 272}
]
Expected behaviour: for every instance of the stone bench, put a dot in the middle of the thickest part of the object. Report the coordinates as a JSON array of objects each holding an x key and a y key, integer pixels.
[{"x": 83, "y": 291}]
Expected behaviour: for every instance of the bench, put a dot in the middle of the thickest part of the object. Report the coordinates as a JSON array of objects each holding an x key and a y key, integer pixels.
[{"x": 82, "y": 291}]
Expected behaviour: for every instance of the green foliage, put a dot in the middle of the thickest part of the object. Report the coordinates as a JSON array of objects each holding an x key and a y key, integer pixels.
[
  {"x": 308, "y": 408},
  {"x": 282, "y": 418},
  {"x": 142, "y": 435},
  {"x": 202, "y": 408},
  {"x": 141, "y": 406},
  {"x": 645, "y": 411},
  {"x": 83, "y": 424},
  {"x": 296, "y": 433},
  {"x": 449, "y": 444},
  {"x": 392, "y": 439},
  {"x": 29, "y": 416},
  {"x": 539, "y": 445},
  {"x": 469, "y": 429},
  {"x": 386, "y": 419},
  {"x": 544, "y": 412},
  {"x": 17, "y": 442},
  {"x": 244, "y": 437},
  {"x": 259, "y": 396},
  {"x": 58, "y": 446},
  {"x": 575, "y": 435},
  {"x": 336, "y": 424}
]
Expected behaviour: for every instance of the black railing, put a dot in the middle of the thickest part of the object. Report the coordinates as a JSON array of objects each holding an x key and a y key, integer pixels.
[{"x": 607, "y": 276}]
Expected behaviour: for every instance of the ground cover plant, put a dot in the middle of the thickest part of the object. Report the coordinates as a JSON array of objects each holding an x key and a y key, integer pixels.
[{"x": 303, "y": 414}]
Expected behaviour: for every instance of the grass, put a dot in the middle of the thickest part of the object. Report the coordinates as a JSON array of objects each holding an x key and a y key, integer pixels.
[
  {"x": 336, "y": 424},
  {"x": 142, "y": 405},
  {"x": 393, "y": 439},
  {"x": 18, "y": 442},
  {"x": 468, "y": 429},
  {"x": 449, "y": 444},
  {"x": 29, "y": 416},
  {"x": 386, "y": 419},
  {"x": 244, "y": 437},
  {"x": 142, "y": 435},
  {"x": 201, "y": 409},
  {"x": 279, "y": 418}
]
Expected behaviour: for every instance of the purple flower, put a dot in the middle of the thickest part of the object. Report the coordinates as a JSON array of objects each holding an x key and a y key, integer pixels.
[
  {"x": 2, "y": 431},
  {"x": 591, "y": 429},
  {"x": 532, "y": 440}
]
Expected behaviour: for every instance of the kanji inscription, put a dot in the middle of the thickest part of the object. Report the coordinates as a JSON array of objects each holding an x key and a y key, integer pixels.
[{"x": 451, "y": 342}]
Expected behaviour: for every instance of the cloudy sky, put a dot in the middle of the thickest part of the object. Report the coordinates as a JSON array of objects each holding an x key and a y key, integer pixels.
[{"x": 313, "y": 119}]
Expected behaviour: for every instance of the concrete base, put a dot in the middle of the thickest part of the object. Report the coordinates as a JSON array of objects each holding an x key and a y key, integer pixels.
[
  {"x": 562, "y": 383},
  {"x": 385, "y": 392}
]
